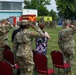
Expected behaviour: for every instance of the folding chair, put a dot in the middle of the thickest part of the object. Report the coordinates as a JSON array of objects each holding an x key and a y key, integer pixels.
[
  {"x": 40, "y": 61},
  {"x": 33, "y": 54},
  {"x": 6, "y": 47},
  {"x": 58, "y": 62},
  {"x": 5, "y": 68},
  {"x": 9, "y": 58}
]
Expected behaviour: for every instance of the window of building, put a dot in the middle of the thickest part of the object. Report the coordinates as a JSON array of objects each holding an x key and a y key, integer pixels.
[
  {"x": 10, "y": 5},
  {"x": 6, "y": 6},
  {"x": 16, "y": 6},
  {"x": 0, "y": 6}
]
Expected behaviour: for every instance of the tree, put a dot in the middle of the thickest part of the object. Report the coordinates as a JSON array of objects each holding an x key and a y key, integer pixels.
[
  {"x": 66, "y": 8},
  {"x": 39, "y": 5},
  {"x": 53, "y": 15},
  {"x": 42, "y": 11}
]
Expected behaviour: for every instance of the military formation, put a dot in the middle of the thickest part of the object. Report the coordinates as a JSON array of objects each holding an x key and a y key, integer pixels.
[{"x": 22, "y": 39}]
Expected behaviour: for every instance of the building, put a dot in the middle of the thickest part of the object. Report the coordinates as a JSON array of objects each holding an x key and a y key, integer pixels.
[
  {"x": 9, "y": 8},
  {"x": 14, "y": 12}
]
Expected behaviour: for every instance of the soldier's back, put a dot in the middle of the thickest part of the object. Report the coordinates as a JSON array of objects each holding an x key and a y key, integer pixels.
[
  {"x": 2, "y": 33},
  {"x": 67, "y": 39}
]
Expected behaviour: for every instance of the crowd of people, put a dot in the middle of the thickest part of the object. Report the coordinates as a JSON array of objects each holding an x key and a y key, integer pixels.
[{"x": 22, "y": 39}]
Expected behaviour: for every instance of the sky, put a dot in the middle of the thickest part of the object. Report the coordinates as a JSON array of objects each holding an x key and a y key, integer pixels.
[
  {"x": 52, "y": 6},
  {"x": 49, "y": 7}
]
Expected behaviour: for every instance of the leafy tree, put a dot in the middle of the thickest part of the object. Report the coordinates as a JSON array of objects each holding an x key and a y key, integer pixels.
[
  {"x": 30, "y": 4},
  {"x": 53, "y": 15},
  {"x": 42, "y": 11},
  {"x": 66, "y": 8},
  {"x": 39, "y": 5}
]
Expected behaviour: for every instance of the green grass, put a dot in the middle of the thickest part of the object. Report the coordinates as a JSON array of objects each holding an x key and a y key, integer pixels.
[{"x": 52, "y": 44}]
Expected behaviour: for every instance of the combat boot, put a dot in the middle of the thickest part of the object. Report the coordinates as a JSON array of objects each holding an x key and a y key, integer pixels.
[
  {"x": 72, "y": 73},
  {"x": 68, "y": 73}
]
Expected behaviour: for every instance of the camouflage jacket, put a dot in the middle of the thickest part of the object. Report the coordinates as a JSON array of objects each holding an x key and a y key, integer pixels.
[
  {"x": 66, "y": 39},
  {"x": 2, "y": 36},
  {"x": 23, "y": 41},
  {"x": 7, "y": 27}
]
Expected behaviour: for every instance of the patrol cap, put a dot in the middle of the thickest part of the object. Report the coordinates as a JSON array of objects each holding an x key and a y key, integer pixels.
[
  {"x": 24, "y": 22},
  {"x": 67, "y": 22},
  {"x": 4, "y": 20},
  {"x": 18, "y": 23}
]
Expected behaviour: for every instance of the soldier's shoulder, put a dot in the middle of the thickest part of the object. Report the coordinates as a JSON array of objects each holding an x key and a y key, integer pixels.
[
  {"x": 1, "y": 32},
  {"x": 28, "y": 31},
  {"x": 62, "y": 30},
  {"x": 66, "y": 29}
]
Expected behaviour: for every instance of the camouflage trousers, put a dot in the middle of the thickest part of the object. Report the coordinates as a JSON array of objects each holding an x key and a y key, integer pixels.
[
  {"x": 6, "y": 41},
  {"x": 1, "y": 53},
  {"x": 25, "y": 64},
  {"x": 68, "y": 54}
]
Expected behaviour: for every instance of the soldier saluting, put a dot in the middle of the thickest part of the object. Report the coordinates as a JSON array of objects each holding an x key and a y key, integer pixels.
[
  {"x": 66, "y": 41},
  {"x": 2, "y": 41},
  {"x": 23, "y": 44},
  {"x": 6, "y": 26}
]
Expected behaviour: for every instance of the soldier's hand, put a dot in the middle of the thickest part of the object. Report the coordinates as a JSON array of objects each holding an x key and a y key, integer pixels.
[
  {"x": 72, "y": 26},
  {"x": 30, "y": 22},
  {"x": 33, "y": 26}
]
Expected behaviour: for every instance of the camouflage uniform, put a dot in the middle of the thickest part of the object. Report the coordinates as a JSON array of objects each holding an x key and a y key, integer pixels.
[
  {"x": 66, "y": 42},
  {"x": 6, "y": 27},
  {"x": 74, "y": 23},
  {"x": 23, "y": 44},
  {"x": 2, "y": 33}
]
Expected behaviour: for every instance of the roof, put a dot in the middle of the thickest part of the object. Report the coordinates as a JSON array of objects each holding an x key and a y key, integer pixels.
[{"x": 11, "y": 0}]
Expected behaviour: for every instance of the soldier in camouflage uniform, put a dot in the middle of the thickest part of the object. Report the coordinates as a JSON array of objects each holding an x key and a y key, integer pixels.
[
  {"x": 23, "y": 44},
  {"x": 2, "y": 35},
  {"x": 66, "y": 41},
  {"x": 7, "y": 26}
]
